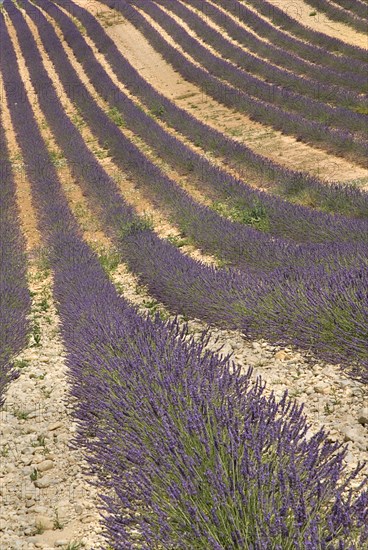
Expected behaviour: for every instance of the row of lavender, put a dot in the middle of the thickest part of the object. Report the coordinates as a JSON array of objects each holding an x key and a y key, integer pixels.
[
  {"x": 186, "y": 457},
  {"x": 336, "y": 198},
  {"x": 288, "y": 100},
  {"x": 279, "y": 51},
  {"x": 310, "y": 44},
  {"x": 283, "y": 80},
  {"x": 284, "y": 220},
  {"x": 336, "y": 13},
  {"x": 310, "y": 307},
  {"x": 339, "y": 141},
  {"x": 241, "y": 246},
  {"x": 14, "y": 294},
  {"x": 356, "y": 6}
]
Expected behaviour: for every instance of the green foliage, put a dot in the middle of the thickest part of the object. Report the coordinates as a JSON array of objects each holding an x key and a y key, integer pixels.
[
  {"x": 36, "y": 334},
  {"x": 362, "y": 109},
  {"x": 178, "y": 241},
  {"x": 34, "y": 475},
  {"x": 57, "y": 158},
  {"x": 74, "y": 546},
  {"x": 4, "y": 451},
  {"x": 57, "y": 522},
  {"x": 116, "y": 116},
  {"x": 135, "y": 226},
  {"x": 109, "y": 258},
  {"x": 40, "y": 441},
  {"x": 254, "y": 215},
  {"x": 101, "y": 153},
  {"x": 20, "y": 363},
  {"x": 42, "y": 263},
  {"x": 157, "y": 110},
  {"x": 151, "y": 305},
  {"x": 78, "y": 120},
  {"x": 21, "y": 414}
]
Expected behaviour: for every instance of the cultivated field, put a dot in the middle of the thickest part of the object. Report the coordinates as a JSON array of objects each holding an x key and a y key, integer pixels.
[{"x": 184, "y": 274}]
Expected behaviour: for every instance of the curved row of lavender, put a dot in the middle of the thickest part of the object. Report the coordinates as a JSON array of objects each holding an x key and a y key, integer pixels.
[
  {"x": 14, "y": 294},
  {"x": 240, "y": 77},
  {"x": 356, "y": 6},
  {"x": 198, "y": 455},
  {"x": 348, "y": 200},
  {"x": 339, "y": 14},
  {"x": 283, "y": 219},
  {"x": 309, "y": 43},
  {"x": 279, "y": 54},
  {"x": 340, "y": 142},
  {"x": 280, "y": 78},
  {"x": 310, "y": 307},
  {"x": 238, "y": 244}
]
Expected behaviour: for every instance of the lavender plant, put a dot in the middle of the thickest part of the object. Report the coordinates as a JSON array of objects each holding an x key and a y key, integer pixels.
[{"x": 14, "y": 293}]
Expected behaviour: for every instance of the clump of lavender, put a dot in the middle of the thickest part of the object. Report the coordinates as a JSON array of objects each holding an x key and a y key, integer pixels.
[{"x": 197, "y": 456}]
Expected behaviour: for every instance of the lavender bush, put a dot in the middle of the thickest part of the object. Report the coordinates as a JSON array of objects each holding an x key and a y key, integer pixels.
[{"x": 14, "y": 293}]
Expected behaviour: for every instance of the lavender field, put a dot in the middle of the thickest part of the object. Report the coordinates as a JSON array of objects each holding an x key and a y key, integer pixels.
[{"x": 183, "y": 274}]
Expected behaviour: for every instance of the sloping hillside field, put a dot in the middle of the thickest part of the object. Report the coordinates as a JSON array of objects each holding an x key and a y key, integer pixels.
[{"x": 184, "y": 274}]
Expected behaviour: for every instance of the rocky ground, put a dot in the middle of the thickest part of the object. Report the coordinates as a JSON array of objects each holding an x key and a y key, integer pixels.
[
  {"x": 330, "y": 397},
  {"x": 47, "y": 501}
]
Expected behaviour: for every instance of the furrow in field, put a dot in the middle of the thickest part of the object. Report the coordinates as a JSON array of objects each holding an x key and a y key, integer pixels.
[
  {"x": 247, "y": 164},
  {"x": 343, "y": 17},
  {"x": 268, "y": 62},
  {"x": 152, "y": 19},
  {"x": 86, "y": 56},
  {"x": 253, "y": 31},
  {"x": 266, "y": 141},
  {"x": 356, "y": 6},
  {"x": 237, "y": 72},
  {"x": 300, "y": 25}
]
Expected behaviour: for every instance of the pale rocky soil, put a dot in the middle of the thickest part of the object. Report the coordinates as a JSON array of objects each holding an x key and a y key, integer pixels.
[{"x": 47, "y": 501}]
